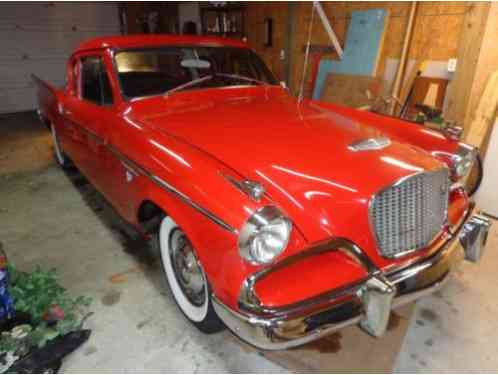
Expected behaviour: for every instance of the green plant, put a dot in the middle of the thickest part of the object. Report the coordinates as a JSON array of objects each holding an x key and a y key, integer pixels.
[
  {"x": 52, "y": 310},
  {"x": 39, "y": 293}
]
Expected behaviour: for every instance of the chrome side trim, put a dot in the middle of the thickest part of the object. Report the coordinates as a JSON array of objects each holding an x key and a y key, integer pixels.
[
  {"x": 133, "y": 167},
  {"x": 170, "y": 188},
  {"x": 194, "y": 205}
]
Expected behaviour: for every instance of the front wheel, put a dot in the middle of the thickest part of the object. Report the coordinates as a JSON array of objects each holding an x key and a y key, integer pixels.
[{"x": 186, "y": 278}]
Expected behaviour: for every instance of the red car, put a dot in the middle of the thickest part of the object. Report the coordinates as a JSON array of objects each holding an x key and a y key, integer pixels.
[{"x": 282, "y": 220}]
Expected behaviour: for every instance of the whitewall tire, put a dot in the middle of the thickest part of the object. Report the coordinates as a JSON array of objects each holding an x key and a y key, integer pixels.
[
  {"x": 186, "y": 278},
  {"x": 60, "y": 156}
]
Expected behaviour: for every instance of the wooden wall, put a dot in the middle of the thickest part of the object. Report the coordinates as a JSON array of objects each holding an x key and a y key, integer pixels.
[
  {"x": 478, "y": 58},
  {"x": 437, "y": 29},
  {"x": 256, "y": 12}
]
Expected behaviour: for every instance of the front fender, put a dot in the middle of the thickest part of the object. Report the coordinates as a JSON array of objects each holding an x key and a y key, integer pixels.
[{"x": 192, "y": 188}]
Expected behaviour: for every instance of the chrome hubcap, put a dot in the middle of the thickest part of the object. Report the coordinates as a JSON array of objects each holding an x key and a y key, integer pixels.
[{"x": 188, "y": 271}]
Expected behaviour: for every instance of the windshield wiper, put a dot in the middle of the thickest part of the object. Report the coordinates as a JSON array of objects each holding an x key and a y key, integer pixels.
[
  {"x": 242, "y": 78},
  {"x": 210, "y": 77},
  {"x": 188, "y": 84}
]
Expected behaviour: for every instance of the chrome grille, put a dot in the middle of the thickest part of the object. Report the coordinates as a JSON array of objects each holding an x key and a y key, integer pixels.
[{"x": 408, "y": 215}]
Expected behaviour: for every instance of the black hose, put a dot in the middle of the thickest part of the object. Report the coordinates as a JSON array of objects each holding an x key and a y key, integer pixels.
[{"x": 479, "y": 176}]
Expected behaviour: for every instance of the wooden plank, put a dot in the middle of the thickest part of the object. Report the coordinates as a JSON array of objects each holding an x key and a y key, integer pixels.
[
  {"x": 375, "y": 70},
  {"x": 408, "y": 83},
  {"x": 361, "y": 51},
  {"x": 404, "y": 57},
  {"x": 485, "y": 114},
  {"x": 349, "y": 90},
  {"x": 487, "y": 63},
  {"x": 436, "y": 36}
]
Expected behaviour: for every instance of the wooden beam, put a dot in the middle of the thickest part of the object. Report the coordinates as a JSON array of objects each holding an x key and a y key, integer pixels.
[
  {"x": 404, "y": 55},
  {"x": 485, "y": 114},
  {"x": 486, "y": 66},
  {"x": 476, "y": 60}
]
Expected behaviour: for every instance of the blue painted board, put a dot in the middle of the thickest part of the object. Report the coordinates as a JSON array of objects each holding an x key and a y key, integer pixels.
[{"x": 361, "y": 48}]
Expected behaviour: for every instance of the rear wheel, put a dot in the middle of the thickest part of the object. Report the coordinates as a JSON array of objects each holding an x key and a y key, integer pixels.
[
  {"x": 186, "y": 277},
  {"x": 60, "y": 157}
]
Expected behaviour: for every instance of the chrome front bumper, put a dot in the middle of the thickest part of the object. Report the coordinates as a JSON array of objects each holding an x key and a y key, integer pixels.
[{"x": 370, "y": 302}]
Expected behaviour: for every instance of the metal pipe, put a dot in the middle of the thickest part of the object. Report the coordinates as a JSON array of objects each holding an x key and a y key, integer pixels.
[{"x": 403, "y": 58}]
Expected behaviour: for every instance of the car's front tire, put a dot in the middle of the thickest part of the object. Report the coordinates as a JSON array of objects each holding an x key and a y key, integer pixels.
[
  {"x": 186, "y": 278},
  {"x": 60, "y": 157}
]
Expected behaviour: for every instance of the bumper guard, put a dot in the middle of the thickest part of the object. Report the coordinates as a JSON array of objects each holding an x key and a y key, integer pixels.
[{"x": 370, "y": 302}]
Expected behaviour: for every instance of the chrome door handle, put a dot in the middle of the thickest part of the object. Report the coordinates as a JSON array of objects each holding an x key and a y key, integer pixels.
[{"x": 63, "y": 111}]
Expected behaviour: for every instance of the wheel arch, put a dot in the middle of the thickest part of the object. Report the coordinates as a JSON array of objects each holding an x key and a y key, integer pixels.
[
  {"x": 212, "y": 243},
  {"x": 149, "y": 216},
  {"x": 158, "y": 204}
]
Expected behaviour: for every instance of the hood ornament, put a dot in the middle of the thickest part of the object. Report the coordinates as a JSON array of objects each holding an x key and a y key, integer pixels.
[{"x": 370, "y": 144}]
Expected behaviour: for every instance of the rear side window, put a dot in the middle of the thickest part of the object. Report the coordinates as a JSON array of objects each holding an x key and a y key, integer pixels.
[{"x": 95, "y": 86}]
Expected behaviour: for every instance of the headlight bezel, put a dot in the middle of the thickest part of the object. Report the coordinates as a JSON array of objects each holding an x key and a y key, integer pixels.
[
  {"x": 253, "y": 229},
  {"x": 463, "y": 161}
]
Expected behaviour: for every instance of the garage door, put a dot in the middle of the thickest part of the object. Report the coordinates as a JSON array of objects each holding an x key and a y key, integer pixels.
[{"x": 38, "y": 37}]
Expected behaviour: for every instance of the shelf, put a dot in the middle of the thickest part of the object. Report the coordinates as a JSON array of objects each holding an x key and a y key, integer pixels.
[{"x": 219, "y": 18}]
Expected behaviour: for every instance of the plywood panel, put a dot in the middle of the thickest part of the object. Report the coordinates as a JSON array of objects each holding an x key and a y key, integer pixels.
[
  {"x": 468, "y": 58},
  {"x": 361, "y": 51},
  {"x": 437, "y": 29},
  {"x": 488, "y": 64},
  {"x": 348, "y": 90}
]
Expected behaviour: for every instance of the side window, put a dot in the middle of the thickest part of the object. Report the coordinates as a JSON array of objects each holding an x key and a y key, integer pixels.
[
  {"x": 74, "y": 77},
  {"x": 95, "y": 86}
]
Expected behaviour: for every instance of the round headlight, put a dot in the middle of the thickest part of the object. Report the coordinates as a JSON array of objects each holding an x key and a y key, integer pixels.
[
  {"x": 265, "y": 235},
  {"x": 463, "y": 160}
]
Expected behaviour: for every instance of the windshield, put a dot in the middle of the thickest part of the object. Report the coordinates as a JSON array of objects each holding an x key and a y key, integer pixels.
[{"x": 157, "y": 71}]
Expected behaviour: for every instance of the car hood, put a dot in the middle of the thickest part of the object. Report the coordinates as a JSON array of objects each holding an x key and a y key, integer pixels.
[{"x": 298, "y": 152}]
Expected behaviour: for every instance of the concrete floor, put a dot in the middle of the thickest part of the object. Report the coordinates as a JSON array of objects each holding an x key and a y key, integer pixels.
[{"x": 57, "y": 219}]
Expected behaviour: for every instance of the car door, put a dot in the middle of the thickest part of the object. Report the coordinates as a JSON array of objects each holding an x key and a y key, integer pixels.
[
  {"x": 100, "y": 127},
  {"x": 68, "y": 133},
  {"x": 92, "y": 111}
]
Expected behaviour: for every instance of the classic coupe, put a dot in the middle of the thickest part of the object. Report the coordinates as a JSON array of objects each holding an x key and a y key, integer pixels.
[{"x": 281, "y": 219}]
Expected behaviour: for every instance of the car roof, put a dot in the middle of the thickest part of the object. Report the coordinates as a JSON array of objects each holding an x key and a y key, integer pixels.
[{"x": 151, "y": 40}]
